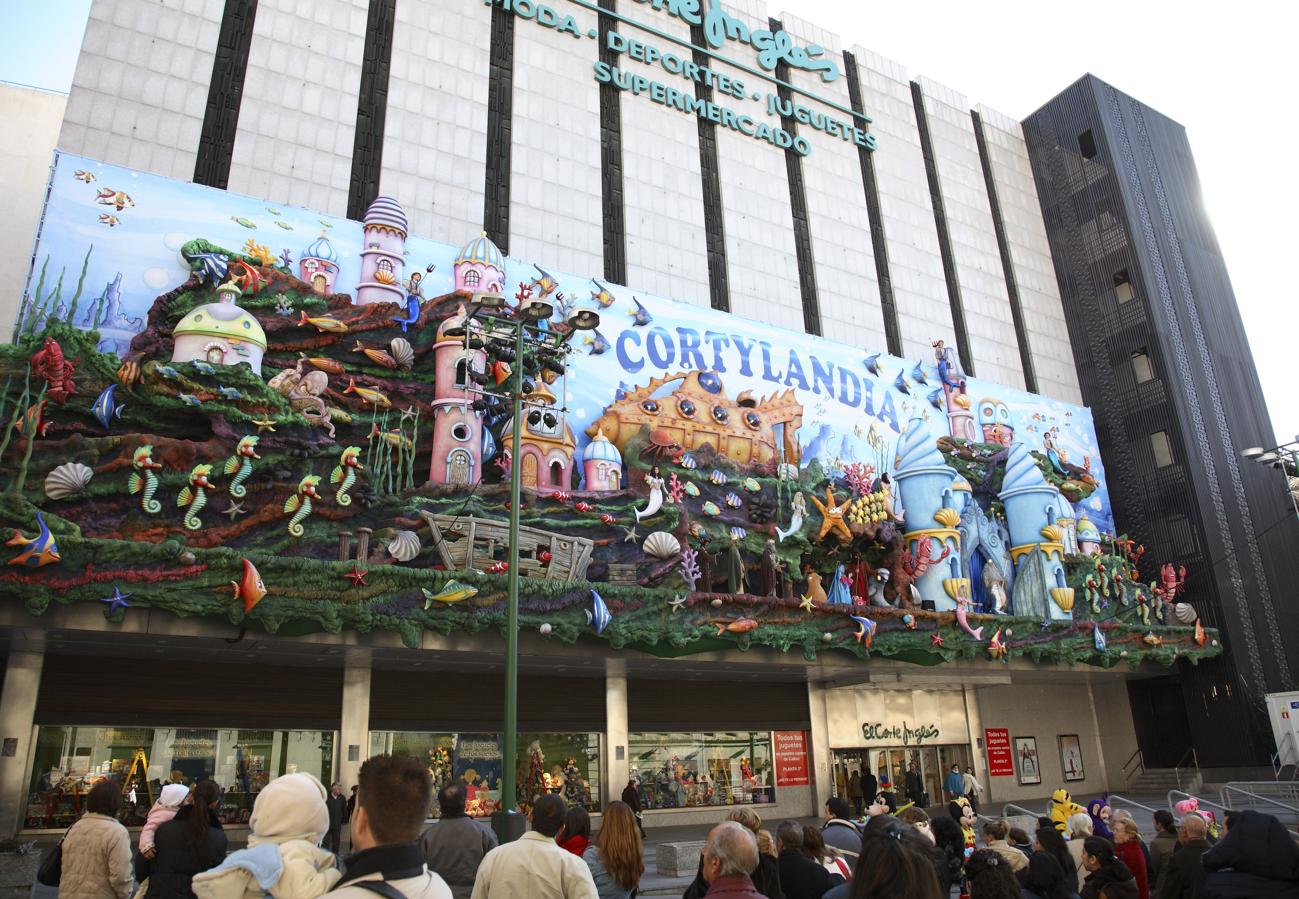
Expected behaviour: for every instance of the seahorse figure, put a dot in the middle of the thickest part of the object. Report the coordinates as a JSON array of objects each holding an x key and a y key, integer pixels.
[
  {"x": 241, "y": 465},
  {"x": 300, "y": 503},
  {"x": 194, "y": 495},
  {"x": 143, "y": 480},
  {"x": 344, "y": 474}
]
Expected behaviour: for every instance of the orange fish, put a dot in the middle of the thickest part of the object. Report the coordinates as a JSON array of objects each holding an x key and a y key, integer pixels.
[
  {"x": 249, "y": 588},
  {"x": 1199, "y": 633},
  {"x": 996, "y": 649},
  {"x": 373, "y": 397},
  {"x": 323, "y": 323},
  {"x": 325, "y": 364},
  {"x": 378, "y": 357},
  {"x": 35, "y": 419},
  {"x": 737, "y": 626}
]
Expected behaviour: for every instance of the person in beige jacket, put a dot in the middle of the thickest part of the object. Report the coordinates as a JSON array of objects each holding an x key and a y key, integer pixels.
[
  {"x": 994, "y": 837},
  {"x": 97, "y": 849},
  {"x": 534, "y": 865},
  {"x": 283, "y": 859}
]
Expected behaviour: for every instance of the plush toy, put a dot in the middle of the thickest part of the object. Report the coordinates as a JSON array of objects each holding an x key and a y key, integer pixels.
[
  {"x": 963, "y": 814},
  {"x": 1099, "y": 811},
  {"x": 883, "y": 805},
  {"x": 1191, "y": 806},
  {"x": 1061, "y": 808}
]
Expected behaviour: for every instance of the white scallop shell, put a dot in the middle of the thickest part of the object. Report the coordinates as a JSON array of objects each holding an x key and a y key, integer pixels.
[
  {"x": 661, "y": 545},
  {"x": 67, "y": 480},
  {"x": 1185, "y": 612},
  {"x": 404, "y": 546},
  {"x": 402, "y": 352}
]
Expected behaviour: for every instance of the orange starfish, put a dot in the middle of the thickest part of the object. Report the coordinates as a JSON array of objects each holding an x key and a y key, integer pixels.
[{"x": 832, "y": 512}]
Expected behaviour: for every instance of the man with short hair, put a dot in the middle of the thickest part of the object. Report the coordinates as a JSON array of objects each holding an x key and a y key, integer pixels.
[
  {"x": 1164, "y": 844},
  {"x": 954, "y": 784},
  {"x": 840, "y": 833},
  {"x": 336, "y": 802},
  {"x": 1182, "y": 875},
  {"x": 535, "y": 865},
  {"x": 392, "y": 801},
  {"x": 454, "y": 846},
  {"x": 800, "y": 877},
  {"x": 730, "y": 853}
]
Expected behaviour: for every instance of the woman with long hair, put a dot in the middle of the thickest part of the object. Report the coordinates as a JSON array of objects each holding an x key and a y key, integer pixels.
[
  {"x": 814, "y": 848},
  {"x": 949, "y": 844},
  {"x": 1049, "y": 840},
  {"x": 616, "y": 858},
  {"x": 988, "y": 876},
  {"x": 188, "y": 844},
  {"x": 575, "y": 835},
  {"x": 1107, "y": 877},
  {"x": 896, "y": 862}
]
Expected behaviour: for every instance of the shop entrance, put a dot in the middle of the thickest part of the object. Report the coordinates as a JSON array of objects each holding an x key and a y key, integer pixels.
[{"x": 928, "y": 765}]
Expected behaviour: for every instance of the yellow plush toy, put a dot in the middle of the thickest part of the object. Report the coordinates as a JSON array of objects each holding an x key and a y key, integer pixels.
[{"x": 1062, "y": 807}]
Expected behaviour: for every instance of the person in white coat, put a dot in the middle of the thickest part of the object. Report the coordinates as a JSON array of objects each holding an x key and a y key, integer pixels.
[
  {"x": 283, "y": 859},
  {"x": 97, "y": 849},
  {"x": 535, "y": 865},
  {"x": 391, "y": 805}
]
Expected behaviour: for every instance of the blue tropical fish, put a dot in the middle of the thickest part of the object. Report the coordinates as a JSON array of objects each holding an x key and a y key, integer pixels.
[
  {"x": 900, "y": 382},
  {"x": 230, "y": 393},
  {"x": 936, "y": 398},
  {"x": 37, "y": 551},
  {"x": 865, "y": 630},
  {"x": 597, "y": 342},
  {"x": 1101, "y": 644},
  {"x": 873, "y": 364},
  {"x": 106, "y": 407},
  {"x": 189, "y": 399},
  {"x": 204, "y": 369},
  {"x": 210, "y": 267},
  {"x": 168, "y": 372},
  {"x": 598, "y": 615},
  {"x": 640, "y": 315},
  {"x": 918, "y": 374}
]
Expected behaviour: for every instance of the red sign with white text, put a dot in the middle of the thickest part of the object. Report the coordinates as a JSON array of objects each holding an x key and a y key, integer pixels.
[
  {"x": 791, "y": 758},
  {"x": 1001, "y": 761}
]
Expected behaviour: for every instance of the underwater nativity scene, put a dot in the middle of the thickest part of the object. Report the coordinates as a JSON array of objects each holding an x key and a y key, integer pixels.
[{"x": 250, "y": 441}]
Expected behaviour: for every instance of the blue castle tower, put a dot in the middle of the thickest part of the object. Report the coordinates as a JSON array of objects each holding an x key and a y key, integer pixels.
[
  {"x": 1036, "y": 539},
  {"x": 925, "y": 485}
]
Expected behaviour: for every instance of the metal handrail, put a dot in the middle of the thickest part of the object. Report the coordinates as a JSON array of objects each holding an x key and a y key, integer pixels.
[
  {"x": 1195, "y": 763},
  {"x": 1115, "y": 797},
  {"x": 1138, "y": 768},
  {"x": 1178, "y": 793},
  {"x": 1231, "y": 788},
  {"x": 1278, "y": 760},
  {"x": 1006, "y": 811}
]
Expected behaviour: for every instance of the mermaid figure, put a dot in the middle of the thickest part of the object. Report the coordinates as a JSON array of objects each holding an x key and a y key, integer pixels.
[
  {"x": 655, "y": 484},
  {"x": 799, "y": 506}
]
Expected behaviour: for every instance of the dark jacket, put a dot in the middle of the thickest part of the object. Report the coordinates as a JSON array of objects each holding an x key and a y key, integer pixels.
[
  {"x": 337, "y": 806},
  {"x": 1257, "y": 857},
  {"x": 800, "y": 877},
  {"x": 1113, "y": 881},
  {"x": 736, "y": 887},
  {"x": 854, "y": 787},
  {"x": 869, "y": 787},
  {"x": 454, "y": 848},
  {"x": 1162, "y": 848},
  {"x": 1045, "y": 878},
  {"x": 765, "y": 879},
  {"x": 915, "y": 788},
  {"x": 1182, "y": 875},
  {"x": 176, "y": 860},
  {"x": 631, "y": 796}
]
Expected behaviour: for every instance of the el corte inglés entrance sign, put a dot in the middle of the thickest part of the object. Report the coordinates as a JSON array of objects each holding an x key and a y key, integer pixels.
[{"x": 903, "y": 733}]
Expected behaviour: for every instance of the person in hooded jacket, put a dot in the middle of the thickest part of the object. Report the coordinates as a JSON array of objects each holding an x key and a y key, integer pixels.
[
  {"x": 283, "y": 859},
  {"x": 1257, "y": 857},
  {"x": 188, "y": 844},
  {"x": 1107, "y": 877}
]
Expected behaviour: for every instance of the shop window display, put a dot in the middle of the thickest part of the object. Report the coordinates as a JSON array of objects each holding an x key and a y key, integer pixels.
[
  {"x": 564, "y": 764},
  {"x": 685, "y": 770},
  {"x": 910, "y": 774},
  {"x": 68, "y": 761}
]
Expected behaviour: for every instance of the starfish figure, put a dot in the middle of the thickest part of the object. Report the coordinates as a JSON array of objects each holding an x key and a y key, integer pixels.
[
  {"x": 631, "y": 534},
  {"x": 677, "y": 603},
  {"x": 408, "y": 413},
  {"x": 936, "y": 639},
  {"x": 832, "y": 512},
  {"x": 356, "y": 576},
  {"x": 234, "y": 510},
  {"x": 264, "y": 424},
  {"x": 117, "y": 600},
  {"x": 807, "y": 605}
]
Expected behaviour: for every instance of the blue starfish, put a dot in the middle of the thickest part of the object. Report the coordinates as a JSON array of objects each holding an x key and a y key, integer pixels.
[{"x": 117, "y": 600}]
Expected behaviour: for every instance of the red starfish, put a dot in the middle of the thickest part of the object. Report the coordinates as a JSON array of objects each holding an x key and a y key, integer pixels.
[
  {"x": 356, "y": 576},
  {"x": 936, "y": 639}
]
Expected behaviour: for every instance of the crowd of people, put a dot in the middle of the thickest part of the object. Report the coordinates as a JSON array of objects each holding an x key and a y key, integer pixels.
[{"x": 294, "y": 840}]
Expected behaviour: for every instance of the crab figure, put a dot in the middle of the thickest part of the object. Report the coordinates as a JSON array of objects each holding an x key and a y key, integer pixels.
[{"x": 662, "y": 445}]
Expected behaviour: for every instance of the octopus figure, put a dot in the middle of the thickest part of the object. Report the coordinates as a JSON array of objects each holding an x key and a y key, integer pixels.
[
  {"x": 241, "y": 465},
  {"x": 143, "y": 480},
  {"x": 299, "y": 504},
  {"x": 655, "y": 484},
  {"x": 194, "y": 495},
  {"x": 344, "y": 474}
]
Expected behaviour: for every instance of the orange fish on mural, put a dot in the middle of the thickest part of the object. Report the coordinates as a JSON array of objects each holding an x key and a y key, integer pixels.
[{"x": 250, "y": 587}]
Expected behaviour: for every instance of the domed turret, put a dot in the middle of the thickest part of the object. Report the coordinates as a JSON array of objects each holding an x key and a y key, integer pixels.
[
  {"x": 319, "y": 264},
  {"x": 386, "y": 212},
  {"x": 602, "y": 464},
  {"x": 219, "y": 334},
  {"x": 925, "y": 487},
  {"x": 382, "y": 253},
  {"x": 479, "y": 266},
  {"x": 1089, "y": 537}
]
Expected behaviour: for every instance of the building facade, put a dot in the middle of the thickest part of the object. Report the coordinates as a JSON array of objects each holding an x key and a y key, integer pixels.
[{"x": 1164, "y": 363}]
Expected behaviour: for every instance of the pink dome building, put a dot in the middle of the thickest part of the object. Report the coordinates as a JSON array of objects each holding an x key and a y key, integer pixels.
[
  {"x": 480, "y": 266},
  {"x": 382, "y": 255},
  {"x": 457, "y": 426},
  {"x": 601, "y": 465},
  {"x": 319, "y": 265}
]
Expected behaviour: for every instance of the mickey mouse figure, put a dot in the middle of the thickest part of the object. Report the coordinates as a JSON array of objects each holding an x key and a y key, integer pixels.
[{"x": 963, "y": 814}]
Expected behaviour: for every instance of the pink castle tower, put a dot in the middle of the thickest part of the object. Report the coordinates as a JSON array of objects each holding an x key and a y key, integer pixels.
[
  {"x": 601, "y": 465},
  {"x": 382, "y": 260},
  {"x": 479, "y": 266},
  {"x": 457, "y": 427},
  {"x": 319, "y": 265}
]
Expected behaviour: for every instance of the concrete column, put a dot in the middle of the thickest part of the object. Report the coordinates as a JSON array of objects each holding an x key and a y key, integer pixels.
[
  {"x": 819, "y": 750},
  {"x": 1096, "y": 735},
  {"x": 17, "y": 709},
  {"x": 974, "y": 724},
  {"x": 354, "y": 725},
  {"x": 617, "y": 761}
]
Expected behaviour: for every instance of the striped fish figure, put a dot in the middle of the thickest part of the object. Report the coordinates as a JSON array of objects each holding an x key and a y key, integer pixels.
[{"x": 598, "y": 615}]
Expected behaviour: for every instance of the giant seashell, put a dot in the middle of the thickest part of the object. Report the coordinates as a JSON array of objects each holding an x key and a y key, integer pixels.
[
  {"x": 661, "y": 545},
  {"x": 404, "y": 546},
  {"x": 403, "y": 352},
  {"x": 67, "y": 480},
  {"x": 1185, "y": 612}
]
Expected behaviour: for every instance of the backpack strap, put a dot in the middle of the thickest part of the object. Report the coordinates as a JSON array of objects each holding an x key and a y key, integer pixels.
[{"x": 382, "y": 887}]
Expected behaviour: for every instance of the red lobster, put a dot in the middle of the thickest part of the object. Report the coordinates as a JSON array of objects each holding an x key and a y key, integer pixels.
[
  {"x": 1171, "y": 582},
  {"x": 50, "y": 364}
]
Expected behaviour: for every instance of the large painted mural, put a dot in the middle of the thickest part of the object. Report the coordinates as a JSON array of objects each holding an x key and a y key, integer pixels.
[{"x": 220, "y": 407}]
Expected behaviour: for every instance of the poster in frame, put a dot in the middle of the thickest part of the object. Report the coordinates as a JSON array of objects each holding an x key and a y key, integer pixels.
[
  {"x": 1071, "y": 759},
  {"x": 1026, "y": 761}
]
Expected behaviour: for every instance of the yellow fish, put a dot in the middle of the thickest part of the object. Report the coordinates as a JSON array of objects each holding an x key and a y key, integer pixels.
[
  {"x": 454, "y": 591},
  {"x": 373, "y": 397},
  {"x": 323, "y": 323}
]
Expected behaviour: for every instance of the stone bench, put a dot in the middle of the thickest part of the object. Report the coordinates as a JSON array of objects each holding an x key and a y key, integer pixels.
[{"x": 678, "y": 859}]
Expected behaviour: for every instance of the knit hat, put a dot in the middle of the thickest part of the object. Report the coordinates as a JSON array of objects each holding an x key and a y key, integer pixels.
[
  {"x": 173, "y": 795},
  {"x": 291, "y": 807}
]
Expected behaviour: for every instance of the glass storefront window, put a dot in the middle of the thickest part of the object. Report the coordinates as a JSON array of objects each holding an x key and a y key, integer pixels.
[
  {"x": 682, "y": 770},
  {"x": 564, "y": 764},
  {"x": 911, "y": 774},
  {"x": 68, "y": 761}
]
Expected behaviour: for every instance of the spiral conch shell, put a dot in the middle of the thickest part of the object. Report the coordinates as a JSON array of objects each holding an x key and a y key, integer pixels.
[
  {"x": 661, "y": 545},
  {"x": 403, "y": 352},
  {"x": 404, "y": 546},
  {"x": 67, "y": 480}
]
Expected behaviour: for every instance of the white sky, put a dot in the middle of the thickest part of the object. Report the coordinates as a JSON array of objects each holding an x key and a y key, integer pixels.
[{"x": 1225, "y": 71}]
